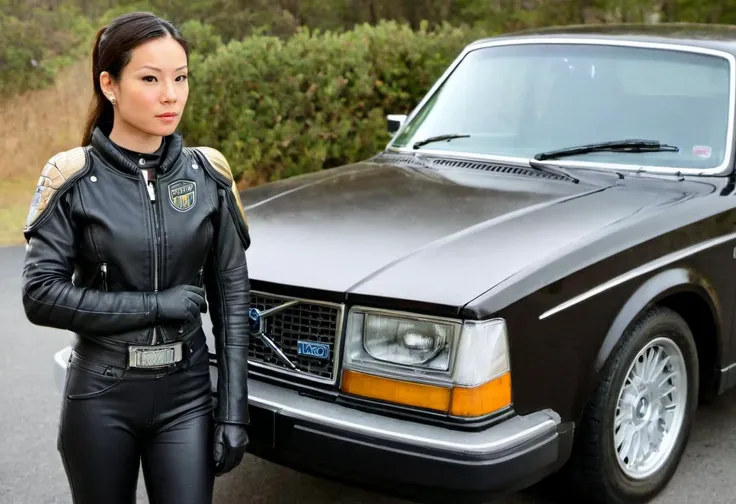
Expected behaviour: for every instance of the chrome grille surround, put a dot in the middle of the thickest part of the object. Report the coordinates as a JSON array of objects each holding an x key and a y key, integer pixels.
[{"x": 307, "y": 320}]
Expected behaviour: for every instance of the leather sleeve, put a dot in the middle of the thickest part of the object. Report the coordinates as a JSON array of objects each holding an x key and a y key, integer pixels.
[
  {"x": 49, "y": 296},
  {"x": 228, "y": 294}
]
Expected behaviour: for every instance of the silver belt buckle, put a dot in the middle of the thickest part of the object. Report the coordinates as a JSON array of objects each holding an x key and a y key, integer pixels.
[{"x": 152, "y": 357}]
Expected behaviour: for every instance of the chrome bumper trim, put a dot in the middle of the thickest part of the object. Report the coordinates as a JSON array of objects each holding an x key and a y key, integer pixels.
[{"x": 497, "y": 439}]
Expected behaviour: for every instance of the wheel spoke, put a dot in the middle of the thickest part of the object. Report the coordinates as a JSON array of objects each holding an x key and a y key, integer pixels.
[
  {"x": 625, "y": 450},
  {"x": 634, "y": 449},
  {"x": 627, "y": 399},
  {"x": 623, "y": 419},
  {"x": 636, "y": 381},
  {"x": 637, "y": 374},
  {"x": 623, "y": 434},
  {"x": 659, "y": 368},
  {"x": 656, "y": 435},
  {"x": 645, "y": 447},
  {"x": 662, "y": 393},
  {"x": 652, "y": 356}
]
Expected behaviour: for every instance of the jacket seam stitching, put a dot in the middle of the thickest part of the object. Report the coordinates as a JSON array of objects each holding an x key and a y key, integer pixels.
[{"x": 223, "y": 325}]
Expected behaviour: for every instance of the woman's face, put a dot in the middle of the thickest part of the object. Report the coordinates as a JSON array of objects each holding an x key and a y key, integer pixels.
[{"x": 153, "y": 88}]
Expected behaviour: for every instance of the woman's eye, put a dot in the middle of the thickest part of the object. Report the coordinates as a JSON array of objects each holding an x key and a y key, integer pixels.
[
  {"x": 182, "y": 78},
  {"x": 149, "y": 78}
]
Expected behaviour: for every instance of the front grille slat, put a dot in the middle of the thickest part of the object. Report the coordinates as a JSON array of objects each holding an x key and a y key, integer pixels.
[{"x": 306, "y": 321}]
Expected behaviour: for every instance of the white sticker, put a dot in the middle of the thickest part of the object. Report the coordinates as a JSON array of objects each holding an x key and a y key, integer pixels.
[{"x": 702, "y": 151}]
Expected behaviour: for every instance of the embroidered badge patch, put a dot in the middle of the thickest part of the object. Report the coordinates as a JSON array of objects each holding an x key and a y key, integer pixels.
[{"x": 183, "y": 194}]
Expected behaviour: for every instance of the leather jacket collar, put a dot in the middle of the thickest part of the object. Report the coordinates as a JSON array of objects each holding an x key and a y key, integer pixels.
[{"x": 107, "y": 149}]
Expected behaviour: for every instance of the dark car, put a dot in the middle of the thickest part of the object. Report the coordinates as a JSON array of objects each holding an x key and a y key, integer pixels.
[{"x": 536, "y": 274}]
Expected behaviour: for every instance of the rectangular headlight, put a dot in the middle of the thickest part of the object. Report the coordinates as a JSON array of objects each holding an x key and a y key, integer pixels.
[
  {"x": 461, "y": 368},
  {"x": 400, "y": 342}
]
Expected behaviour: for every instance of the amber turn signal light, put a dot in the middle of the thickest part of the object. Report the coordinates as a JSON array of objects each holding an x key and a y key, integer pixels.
[{"x": 458, "y": 401}]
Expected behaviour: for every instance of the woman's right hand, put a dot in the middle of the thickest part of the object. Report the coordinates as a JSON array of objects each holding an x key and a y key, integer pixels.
[{"x": 180, "y": 303}]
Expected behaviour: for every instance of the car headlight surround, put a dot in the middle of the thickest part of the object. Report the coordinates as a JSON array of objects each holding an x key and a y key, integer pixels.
[{"x": 458, "y": 367}]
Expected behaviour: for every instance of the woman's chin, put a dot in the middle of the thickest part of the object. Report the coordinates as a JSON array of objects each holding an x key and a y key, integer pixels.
[{"x": 161, "y": 128}]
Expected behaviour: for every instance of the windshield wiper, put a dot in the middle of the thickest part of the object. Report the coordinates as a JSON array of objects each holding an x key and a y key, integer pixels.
[
  {"x": 632, "y": 145},
  {"x": 554, "y": 170},
  {"x": 439, "y": 138}
]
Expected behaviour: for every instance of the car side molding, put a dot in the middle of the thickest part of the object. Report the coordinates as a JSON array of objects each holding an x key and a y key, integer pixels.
[{"x": 639, "y": 271}]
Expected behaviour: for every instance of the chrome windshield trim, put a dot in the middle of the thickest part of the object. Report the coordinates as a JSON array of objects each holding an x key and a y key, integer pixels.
[
  {"x": 641, "y": 270},
  {"x": 721, "y": 169}
]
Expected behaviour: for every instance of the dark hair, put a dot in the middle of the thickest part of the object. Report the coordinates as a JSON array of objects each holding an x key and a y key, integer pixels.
[{"x": 112, "y": 52}]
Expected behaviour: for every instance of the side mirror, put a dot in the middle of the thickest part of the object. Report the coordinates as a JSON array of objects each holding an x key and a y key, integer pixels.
[{"x": 395, "y": 122}]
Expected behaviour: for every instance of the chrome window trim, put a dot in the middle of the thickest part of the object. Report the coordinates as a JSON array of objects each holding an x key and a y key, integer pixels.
[
  {"x": 722, "y": 169},
  {"x": 337, "y": 347}
]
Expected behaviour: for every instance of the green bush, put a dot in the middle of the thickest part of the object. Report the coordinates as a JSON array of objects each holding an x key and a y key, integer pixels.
[
  {"x": 34, "y": 48},
  {"x": 278, "y": 108}
]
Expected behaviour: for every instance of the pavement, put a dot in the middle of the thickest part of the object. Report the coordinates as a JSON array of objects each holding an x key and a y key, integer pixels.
[{"x": 31, "y": 471}]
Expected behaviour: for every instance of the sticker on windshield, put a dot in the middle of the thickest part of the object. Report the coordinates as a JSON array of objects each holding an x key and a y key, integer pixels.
[{"x": 702, "y": 151}]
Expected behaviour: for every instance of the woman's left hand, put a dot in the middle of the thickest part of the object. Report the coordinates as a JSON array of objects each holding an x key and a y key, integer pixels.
[{"x": 229, "y": 447}]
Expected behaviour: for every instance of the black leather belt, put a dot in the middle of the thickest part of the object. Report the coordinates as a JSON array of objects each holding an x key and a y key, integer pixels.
[{"x": 141, "y": 357}]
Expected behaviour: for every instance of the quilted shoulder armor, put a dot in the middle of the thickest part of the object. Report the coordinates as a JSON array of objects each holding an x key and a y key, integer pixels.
[{"x": 218, "y": 166}]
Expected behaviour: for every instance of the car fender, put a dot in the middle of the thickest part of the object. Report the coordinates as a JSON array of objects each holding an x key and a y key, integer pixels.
[{"x": 655, "y": 288}]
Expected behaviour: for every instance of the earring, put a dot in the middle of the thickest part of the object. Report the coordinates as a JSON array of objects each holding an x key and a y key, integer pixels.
[{"x": 112, "y": 100}]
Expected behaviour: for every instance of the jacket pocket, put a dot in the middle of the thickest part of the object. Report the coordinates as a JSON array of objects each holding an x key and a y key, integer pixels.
[{"x": 199, "y": 362}]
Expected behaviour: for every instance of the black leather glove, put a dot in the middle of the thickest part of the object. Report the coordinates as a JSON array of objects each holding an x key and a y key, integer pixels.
[
  {"x": 229, "y": 447},
  {"x": 181, "y": 303}
]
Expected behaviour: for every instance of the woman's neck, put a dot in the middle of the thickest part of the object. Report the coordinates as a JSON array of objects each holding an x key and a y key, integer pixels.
[{"x": 134, "y": 139}]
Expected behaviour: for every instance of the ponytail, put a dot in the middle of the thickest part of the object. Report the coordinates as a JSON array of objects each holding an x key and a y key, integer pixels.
[{"x": 100, "y": 112}]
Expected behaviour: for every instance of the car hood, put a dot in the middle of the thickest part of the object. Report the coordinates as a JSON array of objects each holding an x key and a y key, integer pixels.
[{"x": 430, "y": 236}]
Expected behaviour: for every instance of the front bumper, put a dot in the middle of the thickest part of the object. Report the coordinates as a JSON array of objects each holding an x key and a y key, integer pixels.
[
  {"x": 397, "y": 456},
  {"x": 401, "y": 456}
]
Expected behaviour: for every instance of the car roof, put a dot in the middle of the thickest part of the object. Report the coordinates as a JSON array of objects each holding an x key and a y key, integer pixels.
[{"x": 709, "y": 36}]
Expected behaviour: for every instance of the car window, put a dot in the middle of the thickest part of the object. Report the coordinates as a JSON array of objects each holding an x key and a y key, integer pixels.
[{"x": 519, "y": 100}]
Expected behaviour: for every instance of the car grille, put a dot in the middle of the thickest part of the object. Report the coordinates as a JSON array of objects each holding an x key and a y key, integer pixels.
[{"x": 309, "y": 321}]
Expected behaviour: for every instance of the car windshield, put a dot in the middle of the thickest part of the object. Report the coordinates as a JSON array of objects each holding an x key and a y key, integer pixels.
[{"x": 522, "y": 99}]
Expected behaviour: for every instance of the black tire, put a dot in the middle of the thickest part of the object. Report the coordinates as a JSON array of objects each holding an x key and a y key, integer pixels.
[{"x": 598, "y": 477}]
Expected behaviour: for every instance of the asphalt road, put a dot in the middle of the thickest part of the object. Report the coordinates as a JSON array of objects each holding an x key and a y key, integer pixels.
[{"x": 31, "y": 471}]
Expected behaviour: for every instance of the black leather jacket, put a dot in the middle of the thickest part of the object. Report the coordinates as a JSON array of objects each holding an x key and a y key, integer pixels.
[{"x": 98, "y": 245}]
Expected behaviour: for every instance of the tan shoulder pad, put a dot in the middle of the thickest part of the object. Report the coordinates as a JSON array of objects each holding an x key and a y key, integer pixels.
[
  {"x": 220, "y": 164},
  {"x": 59, "y": 170}
]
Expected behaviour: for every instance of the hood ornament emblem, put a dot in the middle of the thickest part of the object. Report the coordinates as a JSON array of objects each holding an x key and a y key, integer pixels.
[{"x": 257, "y": 324}]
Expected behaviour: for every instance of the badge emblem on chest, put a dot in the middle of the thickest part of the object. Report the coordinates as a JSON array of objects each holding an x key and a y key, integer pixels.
[{"x": 183, "y": 195}]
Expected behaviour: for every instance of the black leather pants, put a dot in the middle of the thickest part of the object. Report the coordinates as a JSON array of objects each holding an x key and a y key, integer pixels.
[{"x": 113, "y": 419}]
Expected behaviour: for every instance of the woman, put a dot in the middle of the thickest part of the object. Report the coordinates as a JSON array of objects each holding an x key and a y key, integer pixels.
[{"x": 124, "y": 237}]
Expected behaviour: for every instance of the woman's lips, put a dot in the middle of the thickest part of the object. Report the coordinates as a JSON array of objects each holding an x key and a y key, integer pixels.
[{"x": 167, "y": 116}]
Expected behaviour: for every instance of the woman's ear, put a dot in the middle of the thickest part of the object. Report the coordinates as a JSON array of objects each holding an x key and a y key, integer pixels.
[{"x": 106, "y": 84}]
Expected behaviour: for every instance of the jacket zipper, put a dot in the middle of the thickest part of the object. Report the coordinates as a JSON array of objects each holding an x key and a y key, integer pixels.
[
  {"x": 151, "y": 188},
  {"x": 103, "y": 277}
]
